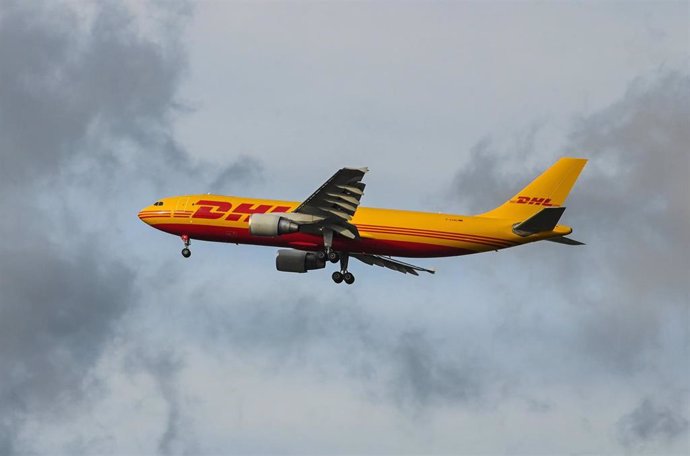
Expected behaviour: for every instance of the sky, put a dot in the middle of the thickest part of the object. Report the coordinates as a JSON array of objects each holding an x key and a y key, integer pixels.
[{"x": 111, "y": 343}]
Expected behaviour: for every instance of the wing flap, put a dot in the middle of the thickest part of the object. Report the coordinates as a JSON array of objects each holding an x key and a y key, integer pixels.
[
  {"x": 352, "y": 189},
  {"x": 349, "y": 232},
  {"x": 340, "y": 214},
  {"x": 390, "y": 263},
  {"x": 342, "y": 205},
  {"x": 344, "y": 197}
]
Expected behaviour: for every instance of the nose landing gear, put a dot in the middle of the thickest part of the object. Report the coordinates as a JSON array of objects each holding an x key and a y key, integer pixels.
[
  {"x": 343, "y": 275},
  {"x": 186, "y": 252}
]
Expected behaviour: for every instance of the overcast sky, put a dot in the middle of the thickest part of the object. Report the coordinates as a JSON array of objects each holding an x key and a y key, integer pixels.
[{"x": 112, "y": 343}]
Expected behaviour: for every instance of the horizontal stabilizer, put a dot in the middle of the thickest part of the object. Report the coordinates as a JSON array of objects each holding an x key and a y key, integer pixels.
[
  {"x": 565, "y": 240},
  {"x": 544, "y": 220}
]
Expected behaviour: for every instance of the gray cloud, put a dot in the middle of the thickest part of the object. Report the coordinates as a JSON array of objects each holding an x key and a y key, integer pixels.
[
  {"x": 85, "y": 121},
  {"x": 86, "y": 112},
  {"x": 70, "y": 92},
  {"x": 164, "y": 366},
  {"x": 649, "y": 422},
  {"x": 57, "y": 312},
  {"x": 245, "y": 170},
  {"x": 425, "y": 376},
  {"x": 493, "y": 173},
  {"x": 408, "y": 366},
  {"x": 630, "y": 204},
  {"x": 634, "y": 208},
  {"x": 626, "y": 291},
  {"x": 69, "y": 81}
]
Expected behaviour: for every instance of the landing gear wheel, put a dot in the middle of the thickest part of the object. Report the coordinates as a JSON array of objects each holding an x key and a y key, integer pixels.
[
  {"x": 333, "y": 256},
  {"x": 186, "y": 252},
  {"x": 349, "y": 278},
  {"x": 321, "y": 255},
  {"x": 337, "y": 277}
]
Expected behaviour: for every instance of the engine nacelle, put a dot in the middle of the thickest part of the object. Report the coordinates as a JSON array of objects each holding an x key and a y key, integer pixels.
[
  {"x": 271, "y": 225},
  {"x": 298, "y": 261}
]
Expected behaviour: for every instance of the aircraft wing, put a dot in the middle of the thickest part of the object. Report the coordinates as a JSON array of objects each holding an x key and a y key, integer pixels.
[
  {"x": 336, "y": 201},
  {"x": 390, "y": 263}
]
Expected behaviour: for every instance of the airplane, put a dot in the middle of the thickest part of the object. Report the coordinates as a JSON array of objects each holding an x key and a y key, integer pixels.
[{"x": 330, "y": 226}]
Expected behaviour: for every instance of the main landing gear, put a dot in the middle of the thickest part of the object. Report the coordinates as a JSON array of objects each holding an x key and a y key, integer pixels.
[
  {"x": 331, "y": 255},
  {"x": 186, "y": 252},
  {"x": 343, "y": 275},
  {"x": 339, "y": 277}
]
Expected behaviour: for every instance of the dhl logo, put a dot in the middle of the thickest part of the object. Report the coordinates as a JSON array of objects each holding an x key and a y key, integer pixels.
[
  {"x": 532, "y": 200},
  {"x": 219, "y": 209}
]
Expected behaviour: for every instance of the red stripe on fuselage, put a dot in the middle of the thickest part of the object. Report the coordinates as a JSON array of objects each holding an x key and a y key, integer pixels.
[
  {"x": 439, "y": 235},
  {"x": 312, "y": 242},
  {"x": 444, "y": 233},
  {"x": 436, "y": 236}
]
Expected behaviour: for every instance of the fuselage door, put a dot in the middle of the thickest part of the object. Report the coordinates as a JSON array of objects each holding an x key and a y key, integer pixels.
[{"x": 181, "y": 210}]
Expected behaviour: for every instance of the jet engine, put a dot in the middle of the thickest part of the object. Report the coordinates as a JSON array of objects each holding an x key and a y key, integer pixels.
[
  {"x": 271, "y": 225},
  {"x": 298, "y": 261}
]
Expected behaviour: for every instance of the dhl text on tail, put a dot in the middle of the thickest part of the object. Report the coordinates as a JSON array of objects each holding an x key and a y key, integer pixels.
[{"x": 329, "y": 226}]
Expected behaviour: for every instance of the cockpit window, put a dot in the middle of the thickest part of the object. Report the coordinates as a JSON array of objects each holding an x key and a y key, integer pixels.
[{"x": 158, "y": 203}]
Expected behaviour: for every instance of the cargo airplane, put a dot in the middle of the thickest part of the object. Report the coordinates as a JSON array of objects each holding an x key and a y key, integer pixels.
[{"x": 330, "y": 225}]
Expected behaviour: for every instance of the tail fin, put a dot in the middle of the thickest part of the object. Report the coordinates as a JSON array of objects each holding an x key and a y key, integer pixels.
[{"x": 550, "y": 189}]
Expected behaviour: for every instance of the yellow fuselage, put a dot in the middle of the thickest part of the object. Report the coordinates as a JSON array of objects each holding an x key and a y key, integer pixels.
[{"x": 382, "y": 231}]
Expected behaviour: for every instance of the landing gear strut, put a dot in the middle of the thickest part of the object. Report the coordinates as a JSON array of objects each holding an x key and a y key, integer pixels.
[
  {"x": 327, "y": 253},
  {"x": 343, "y": 275},
  {"x": 186, "y": 252},
  {"x": 331, "y": 255}
]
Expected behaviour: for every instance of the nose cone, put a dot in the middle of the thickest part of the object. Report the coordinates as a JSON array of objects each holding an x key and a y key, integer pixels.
[
  {"x": 145, "y": 214},
  {"x": 160, "y": 212}
]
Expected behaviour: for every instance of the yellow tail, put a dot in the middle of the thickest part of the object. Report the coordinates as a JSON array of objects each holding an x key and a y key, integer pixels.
[{"x": 551, "y": 188}]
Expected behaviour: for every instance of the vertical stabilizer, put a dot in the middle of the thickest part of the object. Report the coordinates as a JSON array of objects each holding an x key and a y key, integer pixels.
[{"x": 550, "y": 189}]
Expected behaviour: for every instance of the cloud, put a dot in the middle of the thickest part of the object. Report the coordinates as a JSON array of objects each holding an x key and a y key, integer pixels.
[
  {"x": 245, "y": 170},
  {"x": 634, "y": 208},
  {"x": 649, "y": 422},
  {"x": 631, "y": 205},
  {"x": 71, "y": 90},
  {"x": 163, "y": 366},
  {"x": 408, "y": 366},
  {"x": 624, "y": 293},
  {"x": 495, "y": 171},
  {"x": 89, "y": 97},
  {"x": 57, "y": 312},
  {"x": 66, "y": 80},
  {"x": 87, "y": 129},
  {"x": 424, "y": 377}
]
